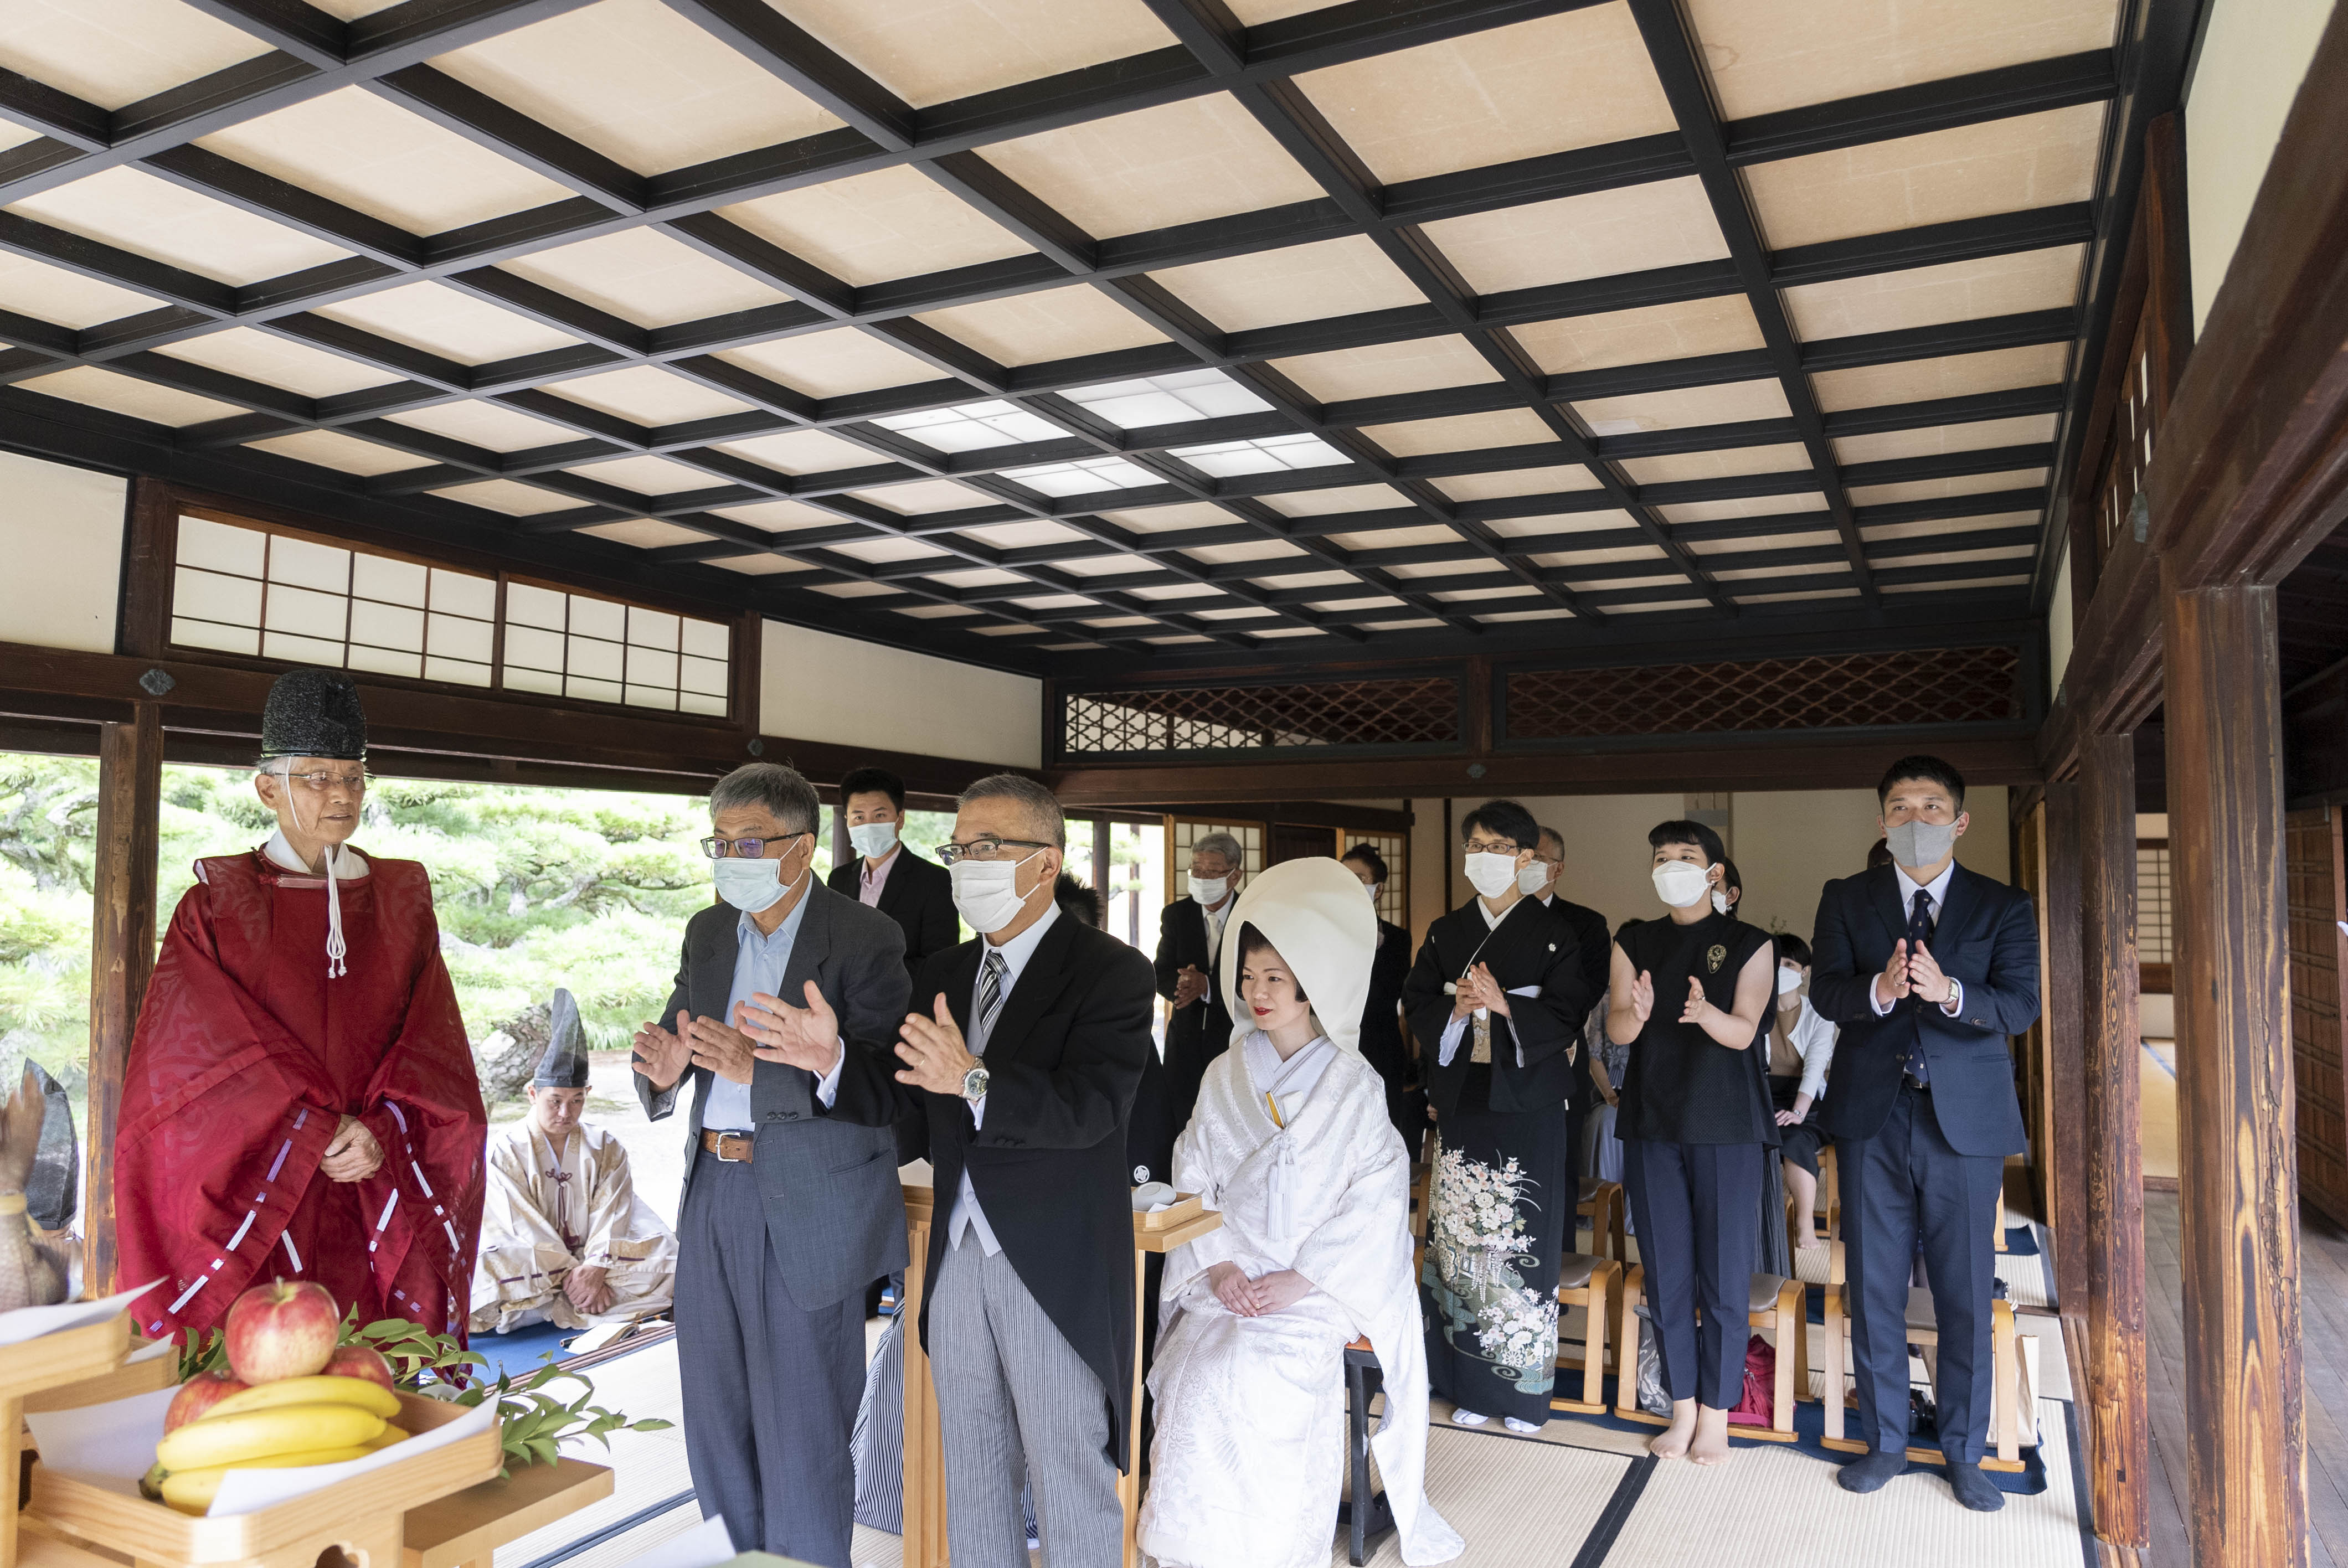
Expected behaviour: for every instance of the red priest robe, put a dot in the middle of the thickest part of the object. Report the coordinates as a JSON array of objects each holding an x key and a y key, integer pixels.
[{"x": 246, "y": 1057}]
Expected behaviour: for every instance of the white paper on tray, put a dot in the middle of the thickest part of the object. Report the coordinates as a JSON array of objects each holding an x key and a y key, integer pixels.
[
  {"x": 705, "y": 1545},
  {"x": 113, "y": 1444},
  {"x": 250, "y": 1490},
  {"x": 32, "y": 1322}
]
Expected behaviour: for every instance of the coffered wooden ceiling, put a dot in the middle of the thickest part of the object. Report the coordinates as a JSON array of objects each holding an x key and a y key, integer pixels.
[{"x": 1029, "y": 330}]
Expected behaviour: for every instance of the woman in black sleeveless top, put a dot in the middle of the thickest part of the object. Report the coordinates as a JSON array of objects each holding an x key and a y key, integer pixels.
[{"x": 1690, "y": 994}]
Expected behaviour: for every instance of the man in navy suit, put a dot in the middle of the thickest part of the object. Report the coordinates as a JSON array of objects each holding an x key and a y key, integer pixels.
[{"x": 1928, "y": 968}]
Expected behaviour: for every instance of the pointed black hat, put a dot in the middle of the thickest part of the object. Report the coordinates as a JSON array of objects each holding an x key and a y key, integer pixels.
[
  {"x": 52, "y": 1191},
  {"x": 564, "y": 1063},
  {"x": 314, "y": 713}
]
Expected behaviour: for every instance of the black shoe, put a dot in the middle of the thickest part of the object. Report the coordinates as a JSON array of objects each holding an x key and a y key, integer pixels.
[
  {"x": 1869, "y": 1471},
  {"x": 1974, "y": 1489}
]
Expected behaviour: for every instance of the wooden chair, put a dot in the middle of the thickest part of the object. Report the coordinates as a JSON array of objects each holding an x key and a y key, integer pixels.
[
  {"x": 2007, "y": 1430},
  {"x": 1602, "y": 1205},
  {"x": 1367, "y": 1510},
  {"x": 1590, "y": 1282},
  {"x": 1830, "y": 1191},
  {"x": 1776, "y": 1307}
]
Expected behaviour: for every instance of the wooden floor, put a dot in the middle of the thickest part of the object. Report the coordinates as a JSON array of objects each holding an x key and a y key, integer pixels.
[{"x": 2324, "y": 1305}]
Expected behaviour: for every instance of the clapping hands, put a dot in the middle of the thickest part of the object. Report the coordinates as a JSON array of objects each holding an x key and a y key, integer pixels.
[{"x": 806, "y": 1037}]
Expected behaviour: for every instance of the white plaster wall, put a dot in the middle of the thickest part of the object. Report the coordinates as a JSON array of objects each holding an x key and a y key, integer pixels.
[
  {"x": 61, "y": 537},
  {"x": 817, "y": 686},
  {"x": 2059, "y": 631},
  {"x": 2254, "y": 55}
]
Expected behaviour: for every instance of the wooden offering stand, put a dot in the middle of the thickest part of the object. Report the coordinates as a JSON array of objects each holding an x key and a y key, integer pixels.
[
  {"x": 464, "y": 1528},
  {"x": 365, "y": 1517},
  {"x": 42, "y": 1373},
  {"x": 1183, "y": 1221}
]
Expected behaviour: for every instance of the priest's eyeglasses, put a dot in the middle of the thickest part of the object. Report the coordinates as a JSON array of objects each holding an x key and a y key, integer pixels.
[
  {"x": 320, "y": 782},
  {"x": 989, "y": 848},
  {"x": 745, "y": 848}
]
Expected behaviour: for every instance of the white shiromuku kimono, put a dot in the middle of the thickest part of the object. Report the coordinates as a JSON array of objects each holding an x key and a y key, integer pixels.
[
  {"x": 1249, "y": 1459},
  {"x": 544, "y": 1216}
]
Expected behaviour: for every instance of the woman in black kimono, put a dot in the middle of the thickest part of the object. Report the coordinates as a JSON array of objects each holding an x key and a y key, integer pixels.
[
  {"x": 1497, "y": 1001},
  {"x": 1691, "y": 994}
]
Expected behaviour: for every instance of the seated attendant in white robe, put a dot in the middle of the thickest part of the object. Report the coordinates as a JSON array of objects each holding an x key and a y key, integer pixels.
[
  {"x": 564, "y": 1238},
  {"x": 1291, "y": 1142}
]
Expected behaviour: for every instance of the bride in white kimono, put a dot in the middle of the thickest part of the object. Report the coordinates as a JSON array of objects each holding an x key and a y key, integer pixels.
[{"x": 1291, "y": 1143}]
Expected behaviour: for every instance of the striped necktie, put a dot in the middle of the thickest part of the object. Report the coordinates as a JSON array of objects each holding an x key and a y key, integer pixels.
[
  {"x": 1920, "y": 932},
  {"x": 990, "y": 998}
]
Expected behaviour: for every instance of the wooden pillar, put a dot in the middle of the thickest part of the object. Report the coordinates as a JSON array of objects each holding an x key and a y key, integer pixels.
[
  {"x": 122, "y": 954},
  {"x": 2246, "y": 1425},
  {"x": 2117, "y": 1414},
  {"x": 2065, "y": 1021}
]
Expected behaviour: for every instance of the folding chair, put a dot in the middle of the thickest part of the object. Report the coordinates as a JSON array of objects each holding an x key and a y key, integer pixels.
[
  {"x": 2007, "y": 1429},
  {"x": 1776, "y": 1306}
]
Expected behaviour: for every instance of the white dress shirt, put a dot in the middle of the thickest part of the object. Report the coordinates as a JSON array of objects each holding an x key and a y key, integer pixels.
[
  {"x": 967, "y": 1216},
  {"x": 1935, "y": 892}
]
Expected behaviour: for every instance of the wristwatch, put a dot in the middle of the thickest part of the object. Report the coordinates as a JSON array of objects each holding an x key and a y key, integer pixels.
[{"x": 974, "y": 1086}]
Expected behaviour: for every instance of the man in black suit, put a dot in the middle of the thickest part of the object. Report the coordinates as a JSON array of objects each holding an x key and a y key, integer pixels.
[
  {"x": 1188, "y": 970},
  {"x": 1596, "y": 945},
  {"x": 1025, "y": 1051},
  {"x": 1927, "y": 967},
  {"x": 887, "y": 876}
]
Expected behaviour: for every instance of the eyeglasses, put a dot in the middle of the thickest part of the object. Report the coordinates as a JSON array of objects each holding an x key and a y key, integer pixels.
[
  {"x": 319, "y": 783},
  {"x": 1488, "y": 847},
  {"x": 746, "y": 848},
  {"x": 988, "y": 848}
]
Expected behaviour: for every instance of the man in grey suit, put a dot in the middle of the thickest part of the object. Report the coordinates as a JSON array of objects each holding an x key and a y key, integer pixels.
[{"x": 788, "y": 1214}]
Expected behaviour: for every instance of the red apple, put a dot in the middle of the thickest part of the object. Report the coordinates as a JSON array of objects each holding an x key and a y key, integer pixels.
[
  {"x": 197, "y": 1395},
  {"x": 360, "y": 1361},
  {"x": 282, "y": 1329}
]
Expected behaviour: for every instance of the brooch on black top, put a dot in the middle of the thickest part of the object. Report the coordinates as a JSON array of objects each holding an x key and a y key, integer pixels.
[{"x": 1715, "y": 958}]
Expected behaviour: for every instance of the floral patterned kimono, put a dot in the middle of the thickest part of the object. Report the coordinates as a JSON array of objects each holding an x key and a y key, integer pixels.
[{"x": 1495, "y": 1238}]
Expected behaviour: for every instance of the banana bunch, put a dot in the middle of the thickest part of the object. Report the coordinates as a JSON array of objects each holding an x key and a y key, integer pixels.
[{"x": 289, "y": 1424}]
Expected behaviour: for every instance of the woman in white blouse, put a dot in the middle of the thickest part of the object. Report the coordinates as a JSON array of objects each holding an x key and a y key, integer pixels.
[{"x": 1801, "y": 1045}]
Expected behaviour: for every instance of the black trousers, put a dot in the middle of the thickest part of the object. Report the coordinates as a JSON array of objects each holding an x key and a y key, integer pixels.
[
  {"x": 1904, "y": 1181},
  {"x": 1693, "y": 1204}
]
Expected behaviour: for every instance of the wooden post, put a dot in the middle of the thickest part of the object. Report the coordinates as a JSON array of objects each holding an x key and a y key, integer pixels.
[
  {"x": 122, "y": 954},
  {"x": 2118, "y": 1416},
  {"x": 2246, "y": 1424},
  {"x": 2065, "y": 1021}
]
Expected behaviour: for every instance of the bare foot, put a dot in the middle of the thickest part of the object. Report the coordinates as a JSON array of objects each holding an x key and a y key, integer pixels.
[
  {"x": 1710, "y": 1444},
  {"x": 1673, "y": 1440}
]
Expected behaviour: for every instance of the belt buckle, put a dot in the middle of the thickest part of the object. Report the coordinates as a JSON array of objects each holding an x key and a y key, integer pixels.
[{"x": 722, "y": 1157}]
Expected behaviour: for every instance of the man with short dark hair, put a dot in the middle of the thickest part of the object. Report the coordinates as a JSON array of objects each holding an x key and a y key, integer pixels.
[
  {"x": 1023, "y": 1052},
  {"x": 787, "y": 1213},
  {"x": 885, "y": 874},
  {"x": 1927, "y": 967}
]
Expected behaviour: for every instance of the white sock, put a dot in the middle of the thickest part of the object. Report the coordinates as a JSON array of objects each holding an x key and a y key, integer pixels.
[
  {"x": 1514, "y": 1425},
  {"x": 1467, "y": 1418}
]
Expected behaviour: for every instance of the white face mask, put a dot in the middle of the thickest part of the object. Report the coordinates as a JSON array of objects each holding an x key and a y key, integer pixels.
[
  {"x": 750, "y": 885},
  {"x": 1680, "y": 885},
  {"x": 1788, "y": 980},
  {"x": 1491, "y": 875},
  {"x": 1532, "y": 880},
  {"x": 1373, "y": 889},
  {"x": 1208, "y": 889},
  {"x": 986, "y": 892},
  {"x": 873, "y": 839}
]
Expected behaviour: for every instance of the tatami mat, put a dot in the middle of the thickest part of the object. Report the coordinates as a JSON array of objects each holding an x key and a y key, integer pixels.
[{"x": 1576, "y": 1492}]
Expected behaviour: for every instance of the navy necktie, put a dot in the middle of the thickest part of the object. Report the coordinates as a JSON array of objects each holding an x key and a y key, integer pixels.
[{"x": 1920, "y": 931}]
